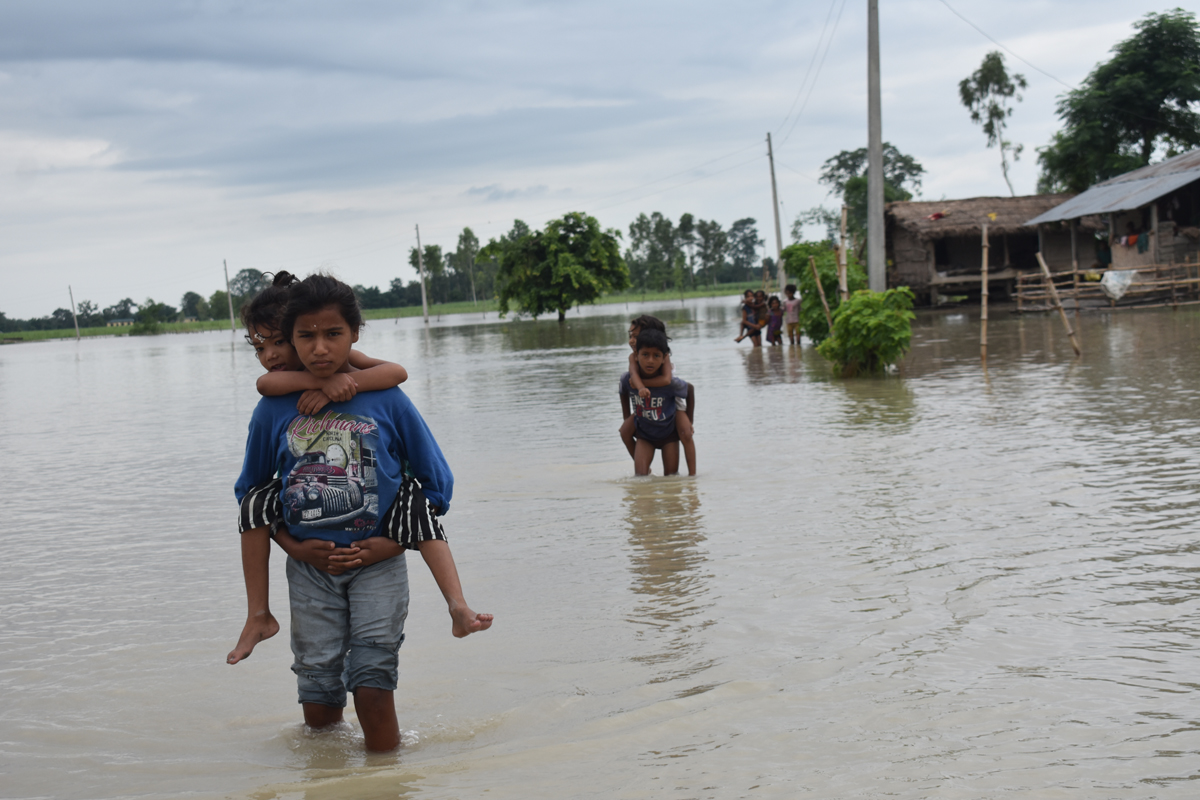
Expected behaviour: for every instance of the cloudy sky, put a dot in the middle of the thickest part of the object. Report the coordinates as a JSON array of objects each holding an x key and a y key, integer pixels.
[{"x": 143, "y": 142}]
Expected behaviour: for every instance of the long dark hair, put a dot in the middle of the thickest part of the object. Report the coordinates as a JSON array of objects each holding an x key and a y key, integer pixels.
[{"x": 316, "y": 292}]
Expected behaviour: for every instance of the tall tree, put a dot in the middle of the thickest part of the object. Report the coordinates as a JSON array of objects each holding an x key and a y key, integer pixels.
[
  {"x": 653, "y": 244},
  {"x": 123, "y": 309},
  {"x": 570, "y": 263},
  {"x": 1129, "y": 107},
  {"x": 846, "y": 174},
  {"x": 247, "y": 283},
  {"x": 986, "y": 94},
  {"x": 712, "y": 244},
  {"x": 898, "y": 169},
  {"x": 435, "y": 265},
  {"x": 193, "y": 305},
  {"x": 743, "y": 246},
  {"x": 685, "y": 232},
  {"x": 464, "y": 257}
]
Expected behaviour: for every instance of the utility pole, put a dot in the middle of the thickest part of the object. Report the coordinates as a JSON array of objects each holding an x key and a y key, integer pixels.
[
  {"x": 421, "y": 269},
  {"x": 779, "y": 270},
  {"x": 876, "y": 246},
  {"x": 229, "y": 295},
  {"x": 73, "y": 316}
]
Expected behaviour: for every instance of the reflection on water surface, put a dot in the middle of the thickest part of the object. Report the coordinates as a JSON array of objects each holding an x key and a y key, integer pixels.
[{"x": 949, "y": 583}]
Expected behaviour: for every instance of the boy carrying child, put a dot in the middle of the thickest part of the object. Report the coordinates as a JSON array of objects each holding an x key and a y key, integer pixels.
[{"x": 654, "y": 409}]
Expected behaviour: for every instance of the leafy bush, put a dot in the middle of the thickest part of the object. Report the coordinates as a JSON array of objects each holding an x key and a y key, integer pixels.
[
  {"x": 870, "y": 331},
  {"x": 812, "y": 315}
]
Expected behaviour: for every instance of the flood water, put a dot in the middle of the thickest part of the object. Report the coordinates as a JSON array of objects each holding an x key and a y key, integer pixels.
[{"x": 951, "y": 583}]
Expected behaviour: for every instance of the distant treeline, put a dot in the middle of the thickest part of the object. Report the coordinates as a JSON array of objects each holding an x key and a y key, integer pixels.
[{"x": 661, "y": 254}]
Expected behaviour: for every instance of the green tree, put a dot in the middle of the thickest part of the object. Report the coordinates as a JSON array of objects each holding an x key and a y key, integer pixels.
[
  {"x": 193, "y": 305},
  {"x": 246, "y": 284},
  {"x": 89, "y": 314},
  {"x": 462, "y": 260},
  {"x": 871, "y": 331},
  {"x": 846, "y": 174},
  {"x": 743, "y": 248},
  {"x": 120, "y": 310},
  {"x": 653, "y": 243},
  {"x": 218, "y": 304},
  {"x": 813, "y": 323},
  {"x": 1129, "y": 107},
  {"x": 434, "y": 261},
  {"x": 570, "y": 263},
  {"x": 986, "y": 95},
  {"x": 712, "y": 244}
]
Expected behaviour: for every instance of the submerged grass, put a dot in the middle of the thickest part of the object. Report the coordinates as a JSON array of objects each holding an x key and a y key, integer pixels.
[{"x": 435, "y": 310}]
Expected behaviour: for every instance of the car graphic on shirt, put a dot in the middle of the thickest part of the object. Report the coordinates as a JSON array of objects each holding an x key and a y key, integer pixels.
[{"x": 321, "y": 494}]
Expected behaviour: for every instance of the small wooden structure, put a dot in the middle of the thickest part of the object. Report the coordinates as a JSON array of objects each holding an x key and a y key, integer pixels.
[
  {"x": 1154, "y": 286},
  {"x": 934, "y": 247},
  {"x": 1151, "y": 225}
]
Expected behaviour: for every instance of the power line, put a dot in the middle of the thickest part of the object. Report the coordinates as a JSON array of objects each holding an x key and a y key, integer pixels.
[
  {"x": 813, "y": 85},
  {"x": 998, "y": 44},
  {"x": 808, "y": 71}
]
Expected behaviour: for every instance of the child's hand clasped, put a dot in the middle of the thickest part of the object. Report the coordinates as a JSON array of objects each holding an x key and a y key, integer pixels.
[
  {"x": 376, "y": 549},
  {"x": 340, "y": 387},
  {"x": 312, "y": 401},
  {"x": 325, "y": 556}
]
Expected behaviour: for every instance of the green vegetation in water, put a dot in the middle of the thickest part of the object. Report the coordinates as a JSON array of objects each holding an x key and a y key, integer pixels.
[
  {"x": 812, "y": 313},
  {"x": 871, "y": 331}
]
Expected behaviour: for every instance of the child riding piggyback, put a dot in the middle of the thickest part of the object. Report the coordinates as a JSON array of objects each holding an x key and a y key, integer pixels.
[{"x": 348, "y": 470}]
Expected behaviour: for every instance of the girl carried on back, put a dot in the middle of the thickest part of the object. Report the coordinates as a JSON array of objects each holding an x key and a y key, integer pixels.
[{"x": 261, "y": 515}]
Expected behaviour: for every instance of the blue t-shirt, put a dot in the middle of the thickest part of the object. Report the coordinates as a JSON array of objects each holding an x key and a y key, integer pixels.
[
  {"x": 654, "y": 418},
  {"x": 342, "y": 467}
]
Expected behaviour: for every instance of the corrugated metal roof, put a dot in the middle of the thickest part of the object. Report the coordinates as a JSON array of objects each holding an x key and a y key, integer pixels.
[{"x": 1129, "y": 191}]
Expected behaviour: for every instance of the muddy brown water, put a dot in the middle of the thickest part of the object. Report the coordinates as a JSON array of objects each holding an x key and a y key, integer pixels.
[{"x": 952, "y": 583}]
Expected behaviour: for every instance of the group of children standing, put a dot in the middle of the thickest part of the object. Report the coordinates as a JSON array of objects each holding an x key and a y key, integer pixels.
[{"x": 760, "y": 311}]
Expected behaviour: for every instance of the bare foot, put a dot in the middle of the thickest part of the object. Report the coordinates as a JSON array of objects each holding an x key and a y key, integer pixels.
[
  {"x": 738, "y": 339},
  {"x": 467, "y": 621},
  {"x": 259, "y": 627}
]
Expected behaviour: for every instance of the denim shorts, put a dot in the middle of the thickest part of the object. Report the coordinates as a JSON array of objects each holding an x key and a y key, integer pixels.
[{"x": 346, "y": 629}]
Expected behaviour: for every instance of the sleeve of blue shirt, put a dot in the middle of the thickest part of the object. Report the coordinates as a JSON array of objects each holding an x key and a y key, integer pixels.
[
  {"x": 423, "y": 456},
  {"x": 258, "y": 465}
]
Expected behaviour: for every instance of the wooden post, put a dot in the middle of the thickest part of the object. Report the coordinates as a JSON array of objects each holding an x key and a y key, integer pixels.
[
  {"x": 73, "y": 316},
  {"x": 983, "y": 299},
  {"x": 1075, "y": 260},
  {"x": 843, "y": 287},
  {"x": 1154, "y": 232},
  {"x": 812, "y": 262},
  {"x": 228, "y": 295},
  {"x": 1058, "y": 303},
  {"x": 421, "y": 269}
]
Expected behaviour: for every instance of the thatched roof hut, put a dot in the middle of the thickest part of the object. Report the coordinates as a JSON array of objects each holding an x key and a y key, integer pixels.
[
  {"x": 937, "y": 219},
  {"x": 936, "y": 245}
]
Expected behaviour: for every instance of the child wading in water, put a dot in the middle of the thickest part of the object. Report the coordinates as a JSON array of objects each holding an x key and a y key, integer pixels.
[
  {"x": 641, "y": 386},
  {"x": 261, "y": 515},
  {"x": 654, "y": 415},
  {"x": 791, "y": 313},
  {"x": 750, "y": 324},
  {"x": 774, "y": 321},
  {"x": 370, "y": 452}
]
